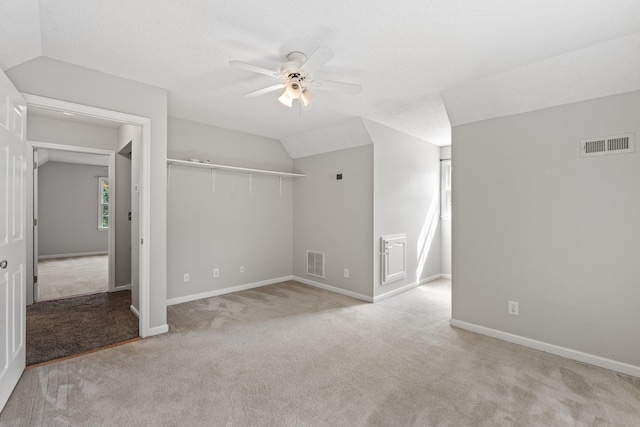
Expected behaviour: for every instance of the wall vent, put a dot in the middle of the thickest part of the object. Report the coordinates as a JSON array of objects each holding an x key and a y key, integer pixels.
[
  {"x": 615, "y": 144},
  {"x": 315, "y": 264}
]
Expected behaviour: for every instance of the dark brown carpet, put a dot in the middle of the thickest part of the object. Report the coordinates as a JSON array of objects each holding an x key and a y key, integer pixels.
[{"x": 71, "y": 326}]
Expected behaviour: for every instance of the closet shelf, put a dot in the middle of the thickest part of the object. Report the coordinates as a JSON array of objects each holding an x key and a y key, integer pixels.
[{"x": 232, "y": 168}]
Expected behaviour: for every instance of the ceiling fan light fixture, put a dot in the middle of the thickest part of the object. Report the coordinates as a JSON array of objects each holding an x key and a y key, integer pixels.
[
  {"x": 286, "y": 100},
  {"x": 294, "y": 89}
]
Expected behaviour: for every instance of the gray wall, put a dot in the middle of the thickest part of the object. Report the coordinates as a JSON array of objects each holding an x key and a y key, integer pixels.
[
  {"x": 406, "y": 187},
  {"x": 336, "y": 217},
  {"x": 68, "y": 209},
  {"x": 129, "y": 142},
  {"x": 123, "y": 225},
  {"x": 230, "y": 228},
  {"x": 536, "y": 224},
  {"x": 45, "y": 129},
  {"x": 59, "y": 80}
]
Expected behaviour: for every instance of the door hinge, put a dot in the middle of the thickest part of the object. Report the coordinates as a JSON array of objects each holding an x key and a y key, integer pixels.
[
  {"x": 141, "y": 241},
  {"x": 35, "y": 222},
  {"x": 35, "y": 279},
  {"x": 35, "y": 165}
]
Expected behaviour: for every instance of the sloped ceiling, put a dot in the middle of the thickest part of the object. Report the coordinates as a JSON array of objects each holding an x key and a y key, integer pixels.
[{"x": 413, "y": 58}]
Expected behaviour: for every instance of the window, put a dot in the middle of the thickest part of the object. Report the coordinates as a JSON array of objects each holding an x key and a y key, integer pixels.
[{"x": 103, "y": 203}]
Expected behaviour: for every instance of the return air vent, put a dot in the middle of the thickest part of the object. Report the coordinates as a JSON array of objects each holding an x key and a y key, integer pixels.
[
  {"x": 616, "y": 144},
  {"x": 315, "y": 264}
]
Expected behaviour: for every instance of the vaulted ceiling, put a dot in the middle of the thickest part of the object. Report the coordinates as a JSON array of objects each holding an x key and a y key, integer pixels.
[{"x": 423, "y": 65}]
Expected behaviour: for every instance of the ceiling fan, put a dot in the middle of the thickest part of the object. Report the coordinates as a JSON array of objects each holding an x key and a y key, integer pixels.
[{"x": 296, "y": 77}]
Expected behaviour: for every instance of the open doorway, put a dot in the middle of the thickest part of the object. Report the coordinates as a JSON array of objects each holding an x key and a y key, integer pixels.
[
  {"x": 71, "y": 199},
  {"x": 141, "y": 200},
  {"x": 82, "y": 294}
]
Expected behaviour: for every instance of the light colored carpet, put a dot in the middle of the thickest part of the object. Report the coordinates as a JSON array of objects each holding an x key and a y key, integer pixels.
[
  {"x": 291, "y": 355},
  {"x": 65, "y": 277}
]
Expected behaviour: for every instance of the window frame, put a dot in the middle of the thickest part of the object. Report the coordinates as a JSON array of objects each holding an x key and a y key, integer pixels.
[{"x": 102, "y": 205}]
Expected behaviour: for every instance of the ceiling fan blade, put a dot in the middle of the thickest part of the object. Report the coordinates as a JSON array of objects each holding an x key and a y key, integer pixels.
[
  {"x": 321, "y": 56},
  {"x": 254, "y": 68},
  {"x": 265, "y": 90},
  {"x": 349, "y": 88}
]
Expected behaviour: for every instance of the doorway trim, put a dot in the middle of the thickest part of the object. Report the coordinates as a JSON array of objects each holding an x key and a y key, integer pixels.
[
  {"x": 144, "y": 189},
  {"x": 31, "y": 185}
]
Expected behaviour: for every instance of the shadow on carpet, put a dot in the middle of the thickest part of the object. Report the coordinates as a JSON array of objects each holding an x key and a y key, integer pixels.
[{"x": 65, "y": 327}]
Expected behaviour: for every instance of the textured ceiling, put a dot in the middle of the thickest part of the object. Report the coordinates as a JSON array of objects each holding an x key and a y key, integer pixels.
[{"x": 407, "y": 55}]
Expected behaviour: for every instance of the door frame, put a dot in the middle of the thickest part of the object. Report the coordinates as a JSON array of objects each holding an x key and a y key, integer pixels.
[
  {"x": 144, "y": 189},
  {"x": 32, "y": 189}
]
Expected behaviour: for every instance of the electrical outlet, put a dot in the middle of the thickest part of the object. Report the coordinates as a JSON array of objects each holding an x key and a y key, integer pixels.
[
  {"x": 186, "y": 278},
  {"x": 216, "y": 272},
  {"x": 242, "y": 269},
  {"x": 346, "y": 272},
  {"x": 513, "y": 308}
]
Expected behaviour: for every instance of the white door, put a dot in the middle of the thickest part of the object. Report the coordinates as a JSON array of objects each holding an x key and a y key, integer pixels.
[{"x": 13, "y": 256}]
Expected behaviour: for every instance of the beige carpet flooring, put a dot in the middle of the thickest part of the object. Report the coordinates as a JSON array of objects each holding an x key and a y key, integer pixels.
[
  {"x": 291, "y": 355},
  {"x": 65, "y": 277}
]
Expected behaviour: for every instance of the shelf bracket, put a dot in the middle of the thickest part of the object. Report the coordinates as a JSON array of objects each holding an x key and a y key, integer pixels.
[
  {"x": 168, "y": 176},
  {"x": 213, "y": 181},
  {"x": 281, "y": 186},
  {"x": 250, "y": 182}
]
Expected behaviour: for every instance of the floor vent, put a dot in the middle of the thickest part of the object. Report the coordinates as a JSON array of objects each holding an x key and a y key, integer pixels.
[
  {"x": 616, "y": 144},
  {"x": 315, "y": 264}
]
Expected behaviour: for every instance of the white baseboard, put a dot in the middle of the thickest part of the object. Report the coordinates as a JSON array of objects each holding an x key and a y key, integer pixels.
[
  {"x": 430, "y": 279},
  {"x": 135, "y": 311},
  {"x": 446, "y": 276},
  {"x": 216, "y": 292},
  {"x": 405, "y": 288},
  {"x": 73, "y": 255},
  {"x": 126, "y": 287},
  {"x": 157, "y": 330},
  {"x": 341, "y": 291},
  {"x": 614, "y": 365}
]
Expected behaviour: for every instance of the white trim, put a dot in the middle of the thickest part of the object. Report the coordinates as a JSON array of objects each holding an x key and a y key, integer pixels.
[
  {"x": 126, "y": 287},
  {"x": 395, "y": 292},
  {"x": 73, "y": 255},
  {"x": 144, "y": 267},
  {"x": 70, "y": 148},
  {"x": 217, "y": 292},
  {"x": 405, "y": 288},
  {"x": 445, "y": 276},
  {"x": 430, "y": 279},
  {"x": 591, "y": 359},
  {"x": 351, "y": 294},
  {"x": 135, "y": 311},
  {"x": 157, "y": 330},
  {"x": 145, "y": 191}
]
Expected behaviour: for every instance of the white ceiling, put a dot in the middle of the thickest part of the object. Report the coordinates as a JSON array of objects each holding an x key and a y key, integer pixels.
[{"x": 412, "y": 57}]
